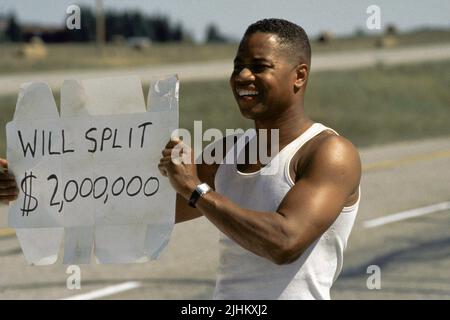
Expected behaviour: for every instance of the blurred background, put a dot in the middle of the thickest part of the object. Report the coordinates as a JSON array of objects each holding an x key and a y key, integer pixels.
[{"x": 386, "y": 89}]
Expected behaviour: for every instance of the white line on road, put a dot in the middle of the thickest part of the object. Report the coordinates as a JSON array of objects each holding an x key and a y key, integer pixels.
[
  {"x": 108, "y": 291},
  {"x": 407, "y": 214}
]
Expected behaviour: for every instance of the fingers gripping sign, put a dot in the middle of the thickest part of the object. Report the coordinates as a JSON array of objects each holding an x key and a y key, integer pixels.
[
  {"x": 8, "y": 187},
  {"x": 178, "y": 165},
  {"x": 181, "y": 152}
]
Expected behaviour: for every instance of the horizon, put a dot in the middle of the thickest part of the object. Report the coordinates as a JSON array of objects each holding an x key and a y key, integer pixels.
[{"x": 341, "y": 20}]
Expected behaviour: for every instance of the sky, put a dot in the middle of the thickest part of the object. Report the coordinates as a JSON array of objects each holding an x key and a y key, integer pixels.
[{"x": 233, "y": 16}]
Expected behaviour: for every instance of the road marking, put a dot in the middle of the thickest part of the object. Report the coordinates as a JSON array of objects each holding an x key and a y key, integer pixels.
[
  {"x": 108, "y": 291},
  {"x": 390, "y": 164},
  {"x": 407, "y": 214}
]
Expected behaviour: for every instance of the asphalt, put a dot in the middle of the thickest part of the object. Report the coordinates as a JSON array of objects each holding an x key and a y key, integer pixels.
[{"x": 413, "y": 255}]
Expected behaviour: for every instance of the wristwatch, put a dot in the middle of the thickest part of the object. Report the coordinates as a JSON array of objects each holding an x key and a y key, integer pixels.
[{"x": 199, "y": 191}]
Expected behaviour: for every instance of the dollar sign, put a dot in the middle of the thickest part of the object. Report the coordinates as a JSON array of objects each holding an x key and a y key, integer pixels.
[{"x": 27, "y": 188}]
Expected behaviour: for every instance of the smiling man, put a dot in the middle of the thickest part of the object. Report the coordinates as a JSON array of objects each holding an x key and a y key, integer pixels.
[{"x": 283, "y": 234}]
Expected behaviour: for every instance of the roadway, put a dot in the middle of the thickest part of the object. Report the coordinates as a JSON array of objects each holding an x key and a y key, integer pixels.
[
  {"x": 413, "y": 253},
  {"x": 211, "y": 70}
]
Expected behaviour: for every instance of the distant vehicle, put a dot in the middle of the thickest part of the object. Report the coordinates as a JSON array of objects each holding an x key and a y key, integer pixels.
[{"x": 139, "y": 43}]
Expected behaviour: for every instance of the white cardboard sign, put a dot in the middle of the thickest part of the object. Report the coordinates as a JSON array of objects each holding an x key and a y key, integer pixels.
[{"x": 90, "y": 176}]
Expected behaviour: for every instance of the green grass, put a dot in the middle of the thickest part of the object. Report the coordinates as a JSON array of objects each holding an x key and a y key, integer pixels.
[
  {"x": 380, "y": 105},
  {"x": 368, "y": 106},
  {"x": 87, "y": 56},
  {"x": 422, "y": 37}
]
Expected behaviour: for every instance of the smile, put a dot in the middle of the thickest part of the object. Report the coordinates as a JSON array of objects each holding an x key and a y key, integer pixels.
[{"x": 242, "y": 93}]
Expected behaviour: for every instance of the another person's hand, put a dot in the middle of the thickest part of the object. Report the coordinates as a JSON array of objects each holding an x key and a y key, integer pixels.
[
  {"x": 178, "y": 165},
  {"x": 8, "y": 187}
]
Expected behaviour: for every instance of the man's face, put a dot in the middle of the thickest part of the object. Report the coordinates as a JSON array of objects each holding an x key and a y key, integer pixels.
[{"x": 263, "y": 77}]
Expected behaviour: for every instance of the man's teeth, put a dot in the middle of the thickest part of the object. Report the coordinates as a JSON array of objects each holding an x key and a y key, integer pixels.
[{"x": 247, "y": 93}]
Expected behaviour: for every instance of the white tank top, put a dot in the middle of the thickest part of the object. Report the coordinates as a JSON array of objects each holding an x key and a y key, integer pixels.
[{"x": 245, "y": 275}]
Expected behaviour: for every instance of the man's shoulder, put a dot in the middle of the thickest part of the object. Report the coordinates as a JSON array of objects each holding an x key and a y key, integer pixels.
[
  {"x": 329, "y": 152},
  {"x": 331, "y": 145}
]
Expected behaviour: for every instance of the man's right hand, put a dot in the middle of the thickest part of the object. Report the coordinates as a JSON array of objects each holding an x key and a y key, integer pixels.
[{"x": 8, "y": 187}]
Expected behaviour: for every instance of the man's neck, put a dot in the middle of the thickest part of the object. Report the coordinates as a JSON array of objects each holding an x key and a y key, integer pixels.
[{"x": 290, "y": 124}]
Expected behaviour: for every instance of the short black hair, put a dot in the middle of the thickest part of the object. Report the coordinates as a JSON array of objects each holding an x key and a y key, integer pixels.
[{"x": 290, "y": 35}]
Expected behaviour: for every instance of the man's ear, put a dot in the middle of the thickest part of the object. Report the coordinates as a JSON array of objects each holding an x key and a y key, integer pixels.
[{"x": 301, "y": 76}]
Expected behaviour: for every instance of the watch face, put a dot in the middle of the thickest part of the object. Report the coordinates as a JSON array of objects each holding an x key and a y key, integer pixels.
[{"x": 203, "y": 188}]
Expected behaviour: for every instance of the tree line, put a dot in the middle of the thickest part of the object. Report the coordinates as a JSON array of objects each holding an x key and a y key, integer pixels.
[{"x": 127, "y": 24}]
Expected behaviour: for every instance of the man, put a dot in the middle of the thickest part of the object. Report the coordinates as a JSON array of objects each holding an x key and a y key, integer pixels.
[{"x": 283, "y": 234}]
